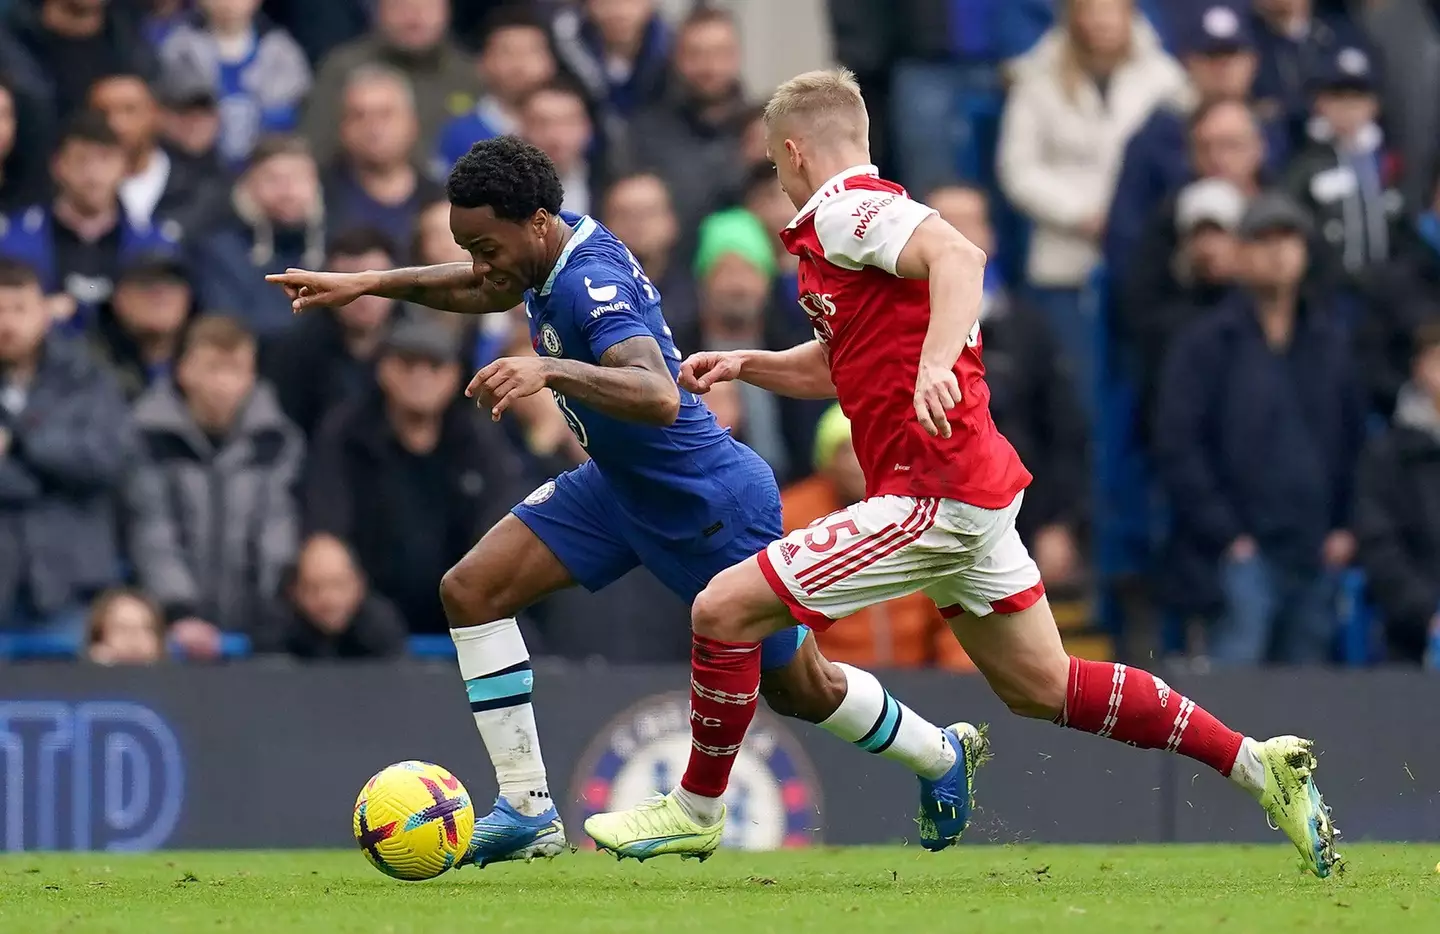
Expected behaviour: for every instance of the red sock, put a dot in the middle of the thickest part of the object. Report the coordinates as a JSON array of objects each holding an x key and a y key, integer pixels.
[
  {"x": 724, "y": 688},
  {"x": 1135, "y": 707}
]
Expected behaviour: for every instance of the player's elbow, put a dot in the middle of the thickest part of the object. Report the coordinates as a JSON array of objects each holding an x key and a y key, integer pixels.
[
  {"x": 665, "y": 406},
  {"x": 964, "y": 254}
]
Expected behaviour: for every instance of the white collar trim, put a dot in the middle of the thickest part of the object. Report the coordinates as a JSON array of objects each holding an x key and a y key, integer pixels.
[
  {"x": 583, "y": 230},
  {"x": 831, "y": 188}
]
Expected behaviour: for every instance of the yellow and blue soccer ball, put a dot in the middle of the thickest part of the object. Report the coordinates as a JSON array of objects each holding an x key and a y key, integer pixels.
[{"x": 413, "y": 820}]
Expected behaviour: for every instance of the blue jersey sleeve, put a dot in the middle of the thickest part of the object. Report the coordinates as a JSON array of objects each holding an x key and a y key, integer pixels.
[{"x": 609, "y": 308}]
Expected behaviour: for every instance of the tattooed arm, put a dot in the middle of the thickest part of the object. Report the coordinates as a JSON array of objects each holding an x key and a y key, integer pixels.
[
  {"x": 631, "y": 382},
  {"x": 448, "y": 287}
]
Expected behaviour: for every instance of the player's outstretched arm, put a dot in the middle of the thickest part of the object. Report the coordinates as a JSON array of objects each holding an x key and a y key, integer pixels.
[
  {"x": 802, "y": 372},
  {"x": 447, "y": 287},
  {"x": 631, "y": 383},
  {"x": 956, "y": 270}
]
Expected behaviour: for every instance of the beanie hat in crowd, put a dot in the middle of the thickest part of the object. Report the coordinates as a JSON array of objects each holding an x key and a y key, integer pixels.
[
  {"x": 832, "y": 431},
  {"x": 734, "y": 231}
]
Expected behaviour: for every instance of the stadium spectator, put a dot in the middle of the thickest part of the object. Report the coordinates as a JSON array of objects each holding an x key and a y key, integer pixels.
[
  {"x": 538, "y": 429},
  {"x": 409, "y": 35},
  {"x": 754, "y": 148},
  {"x": 1078, "y": 97},
  {"x": 904, "y": 633},
  {"x": 327, "y": 355},
  {"x": 156, "y": 188},
  {"x": 514, "y": 60},
  {"x": 735, "y": 264},
  {"x": 125, "y": 627},
  {"x": 159, "y": 18},
  {"x": 1405, "y": 34},
  {"x": 1226, "y": 144},
  {"x": 327, "y": 610},
  {"x": 1403, "y": 294},
  {"x": 618, "y": 51},
  {"x": 78, "y": 242},
  {"x": 1344, "y": 175},
  {"x": 410, "y": 474},
  {"x": 727, "y": 408},
  {"x": 553, "y": 118},
  {"x": 66, "y": 440},
  {"x": 692, "y": 137},
  {"x": 1217, "y": 48},
  {"x": 276, "y": 220},
  {"x": 1295, "y": 42},
  {"x": 22, "y": 168},
  {"x": 1032, "y": 399},
  {"x": 321, "y": 25},
  {"x": 257, "y": 72},
  {"x": 1197, "y": 279},
  {"x": 1258, "y": 425},
  {"x": 763, "y": 197},
  {"x": 374, "y": 182},
  {"x": 638, "y": 210},
  {"x": 137, "y": 334},
  {"x": 211, "y": 513},
  {"x": 58, "y": 49},
  {"x": 190, "y": 124},
  {"x": 1397, "y": 510}
]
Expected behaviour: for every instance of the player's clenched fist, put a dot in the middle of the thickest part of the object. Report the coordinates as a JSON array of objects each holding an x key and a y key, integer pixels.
[
  {"x": 308, "y": 289},
  {"x": 508, "y": 380},
  {"x": 703, "y": 370},
  {"x": 936, "y": 392}
]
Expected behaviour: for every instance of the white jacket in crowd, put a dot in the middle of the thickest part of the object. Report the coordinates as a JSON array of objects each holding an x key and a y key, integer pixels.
[{"x": 1061, "y": 147}]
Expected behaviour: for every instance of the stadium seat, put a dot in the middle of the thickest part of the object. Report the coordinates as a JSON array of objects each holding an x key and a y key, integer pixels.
[
  {"x": 431, "y": 647},
  {"x": 233, "y": 645},
  {"x": 1358, "y": 634},
  {"x": 26, "y": 646}
]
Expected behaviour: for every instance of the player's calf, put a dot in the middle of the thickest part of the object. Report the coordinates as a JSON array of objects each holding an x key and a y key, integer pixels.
[{"x": 507, "y": 570}]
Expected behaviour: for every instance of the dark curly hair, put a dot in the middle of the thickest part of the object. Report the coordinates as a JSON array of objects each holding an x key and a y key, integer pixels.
[{"x": 508, "y": 175}]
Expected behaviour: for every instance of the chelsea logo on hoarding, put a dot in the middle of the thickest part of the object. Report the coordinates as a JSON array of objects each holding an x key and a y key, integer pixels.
[
  {"x": 550, "y": 340},
  {"x": 773, "y": 800}
]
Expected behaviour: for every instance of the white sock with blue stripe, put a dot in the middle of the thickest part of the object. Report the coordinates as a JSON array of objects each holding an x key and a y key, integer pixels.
[
  {"x": 496, "y": 667},
  {"x": 876, "y": 722}
]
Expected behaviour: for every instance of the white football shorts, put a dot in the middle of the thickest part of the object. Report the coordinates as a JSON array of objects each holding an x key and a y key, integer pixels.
[{"x": 966, "y": 559}]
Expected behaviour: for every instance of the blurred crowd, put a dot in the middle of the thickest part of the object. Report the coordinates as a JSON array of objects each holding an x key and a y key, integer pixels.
[{"x": 1214, "y": 236}]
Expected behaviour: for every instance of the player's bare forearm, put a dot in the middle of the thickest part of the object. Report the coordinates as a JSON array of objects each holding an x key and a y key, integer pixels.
[
  {"x": 802, "y": 372},
  {"x": 632, "y": 383},
  {"x": 955, "y": 268},
  {"x": 448, "y": 287}
]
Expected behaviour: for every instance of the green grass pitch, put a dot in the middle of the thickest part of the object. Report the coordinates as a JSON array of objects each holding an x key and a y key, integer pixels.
[{"x": 1388, "y": 888}]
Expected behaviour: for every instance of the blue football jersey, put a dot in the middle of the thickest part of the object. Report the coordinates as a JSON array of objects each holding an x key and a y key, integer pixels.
[{"x": 689, "y": 482}]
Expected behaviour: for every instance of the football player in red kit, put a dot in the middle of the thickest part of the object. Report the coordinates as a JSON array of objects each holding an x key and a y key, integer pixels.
[{"x": 894, "y": 295}]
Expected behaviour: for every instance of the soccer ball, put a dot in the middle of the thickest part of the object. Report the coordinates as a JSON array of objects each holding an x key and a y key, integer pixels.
[{"x": 413, "y": 820}]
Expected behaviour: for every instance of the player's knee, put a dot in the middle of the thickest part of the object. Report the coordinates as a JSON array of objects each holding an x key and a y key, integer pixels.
[
  {"x": 709, "y": 618},
  {"x": 470, "y": 599}
]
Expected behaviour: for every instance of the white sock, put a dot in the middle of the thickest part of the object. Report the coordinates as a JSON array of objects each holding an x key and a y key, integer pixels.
[
  {"x": 702, "y": 810},
  {"x": 496, "y": 667},
  {"x": 876, "y": 722},
  {"x": 1248, "y": 771}
]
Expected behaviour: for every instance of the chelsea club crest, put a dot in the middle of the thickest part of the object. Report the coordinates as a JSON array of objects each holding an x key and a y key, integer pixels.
[
  {"x": 550, "y": 340},
  {"x": 773, "y": 800}
]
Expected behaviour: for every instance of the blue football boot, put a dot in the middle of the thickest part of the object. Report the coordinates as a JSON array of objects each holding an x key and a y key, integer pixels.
[
  {"x": 946, "y": 801},
  {"x": 506, "y": 834}
]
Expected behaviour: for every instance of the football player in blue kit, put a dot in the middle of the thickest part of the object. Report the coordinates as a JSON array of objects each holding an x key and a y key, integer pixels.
[{"x": 665, "y": 487}]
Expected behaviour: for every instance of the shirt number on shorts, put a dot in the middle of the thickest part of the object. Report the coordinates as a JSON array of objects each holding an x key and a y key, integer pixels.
[
  {"x": 577, "y": 427},
  {"x": 822, "y": 538}
]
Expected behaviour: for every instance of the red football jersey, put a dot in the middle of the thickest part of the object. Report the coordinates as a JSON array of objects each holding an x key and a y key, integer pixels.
[{"x": 849, "y": 238}]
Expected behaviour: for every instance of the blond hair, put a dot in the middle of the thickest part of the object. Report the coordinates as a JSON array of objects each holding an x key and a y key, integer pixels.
[{"x": 819, "y": 104}]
